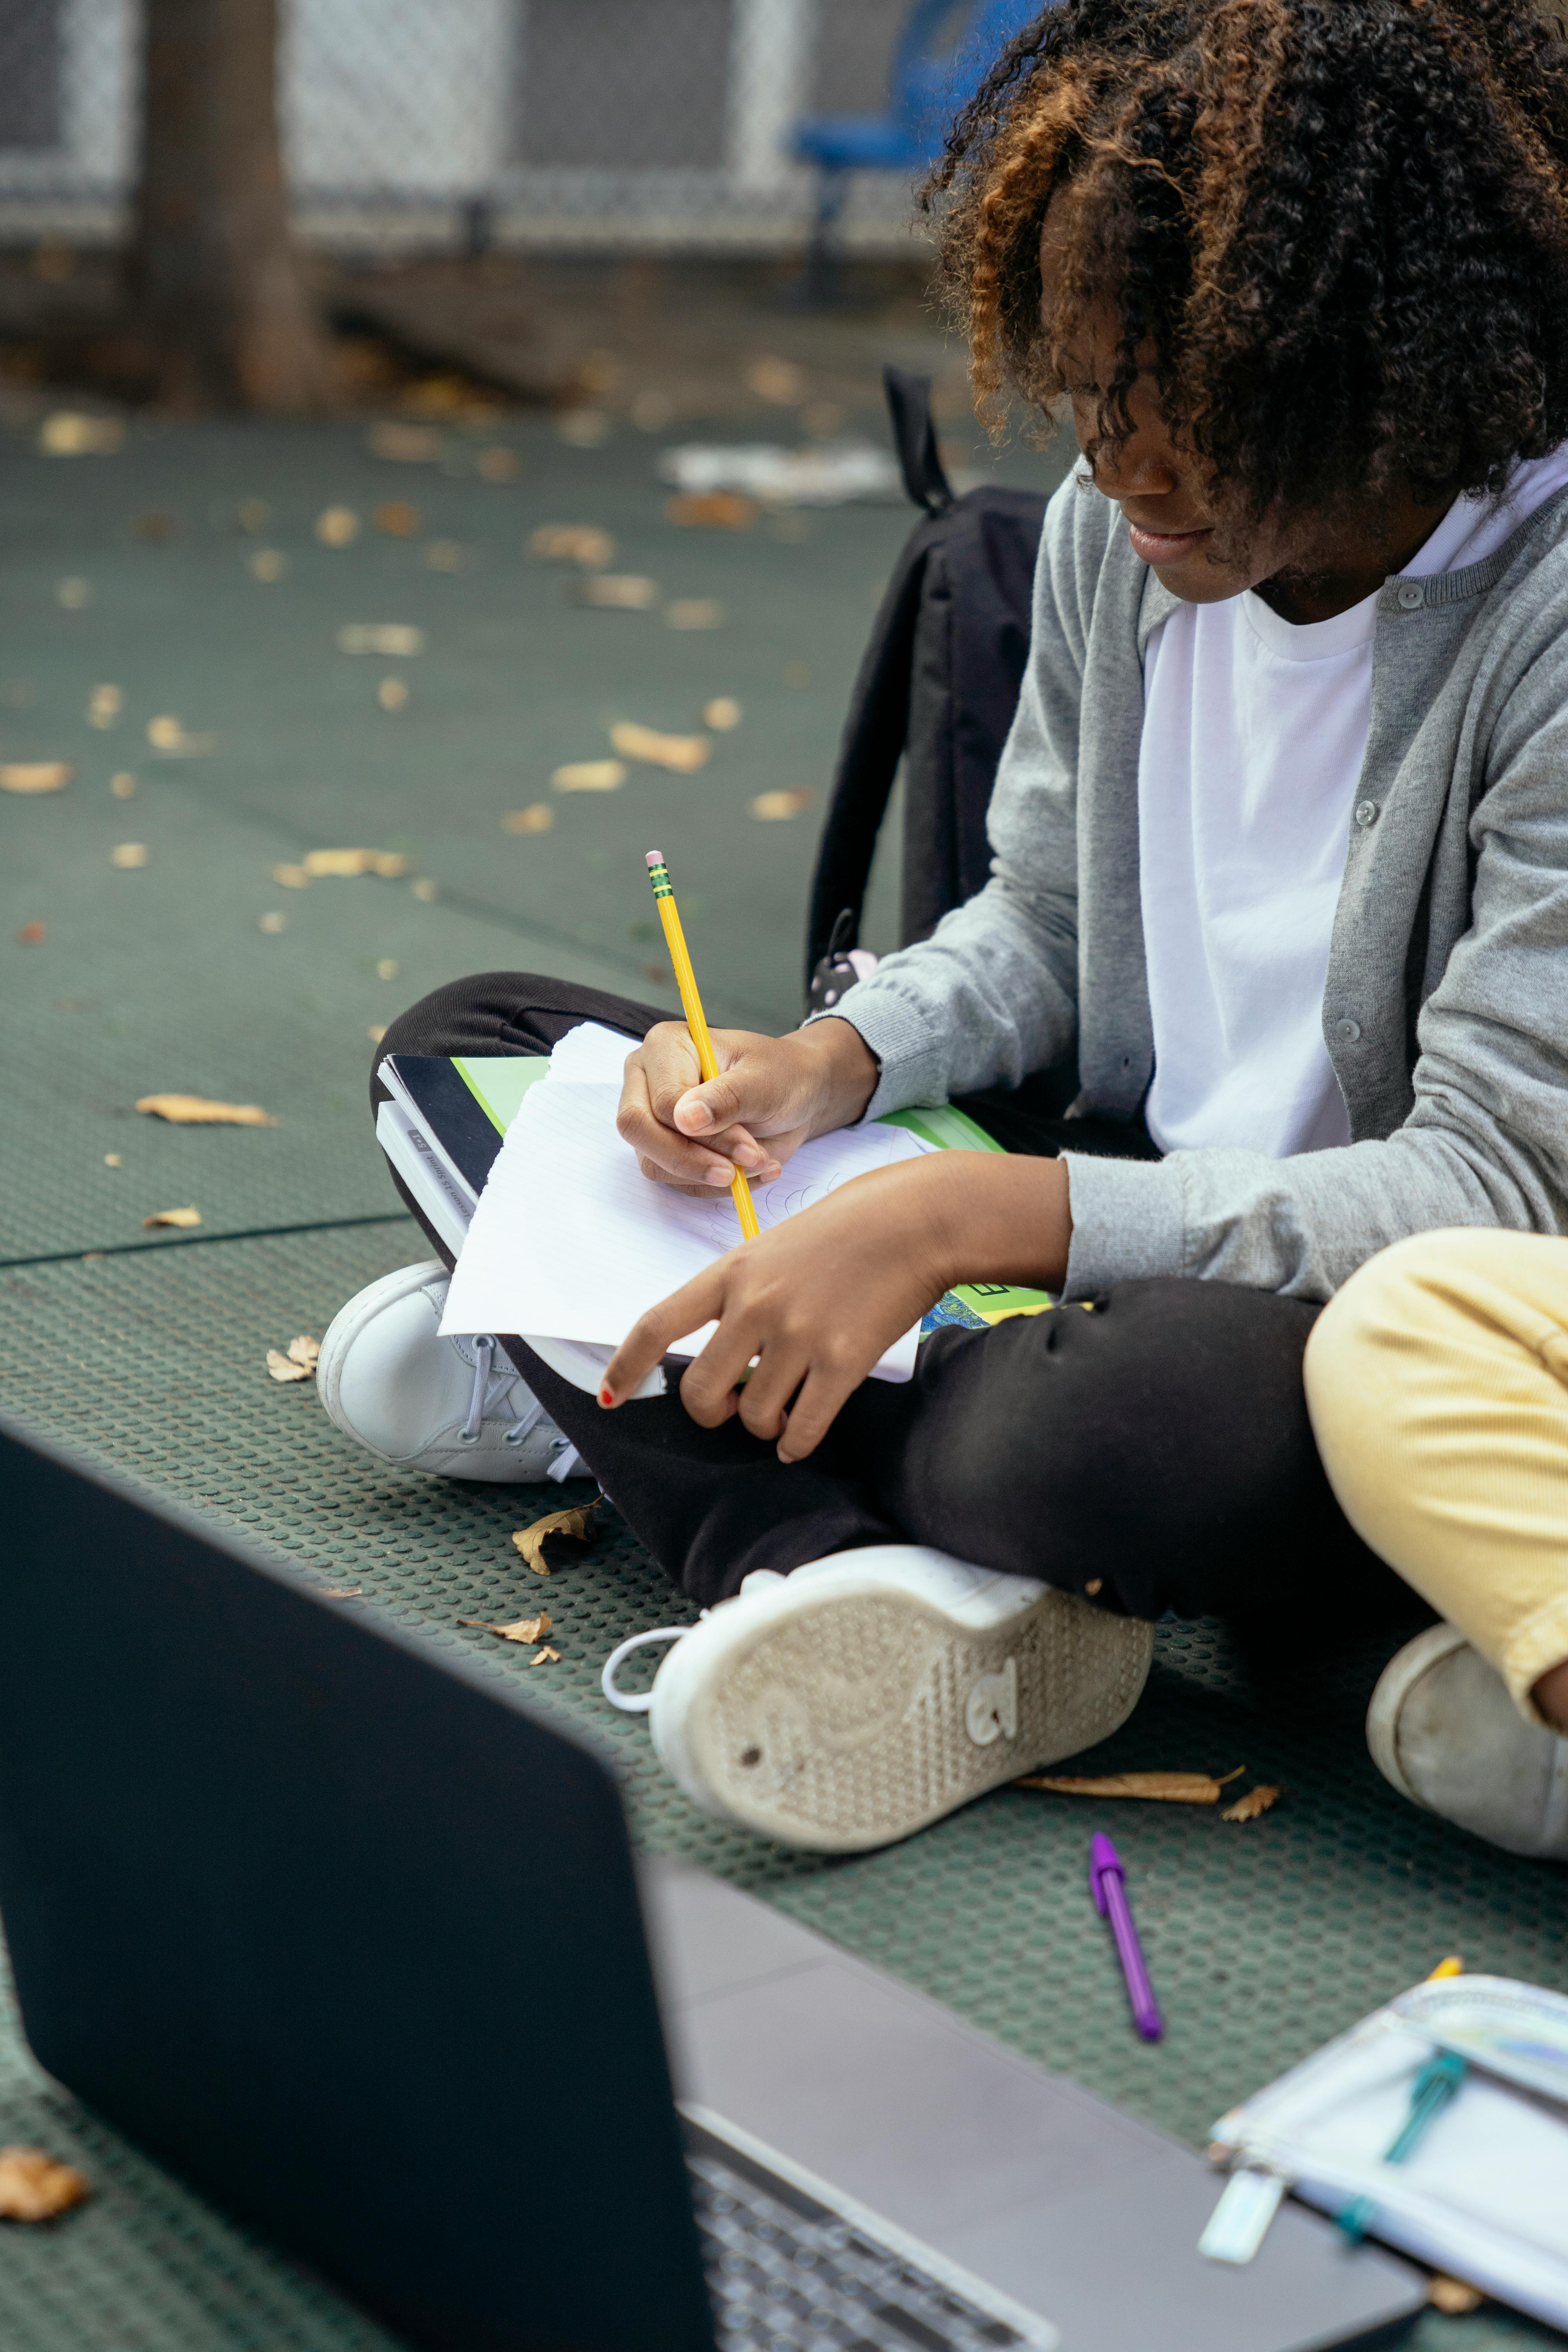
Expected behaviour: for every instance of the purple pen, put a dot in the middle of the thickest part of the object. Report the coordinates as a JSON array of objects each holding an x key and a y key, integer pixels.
[{"x": 1107, "y": 1878}]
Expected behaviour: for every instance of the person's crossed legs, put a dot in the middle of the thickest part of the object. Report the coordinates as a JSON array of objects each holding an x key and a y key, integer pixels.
[
  {"x": 1149, "y": 1452},
  {"x": 1437, "y": 1380}
]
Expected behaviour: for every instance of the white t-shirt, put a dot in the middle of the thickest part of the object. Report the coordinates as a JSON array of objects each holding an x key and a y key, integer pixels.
[{"x": 1254, "y": 735}]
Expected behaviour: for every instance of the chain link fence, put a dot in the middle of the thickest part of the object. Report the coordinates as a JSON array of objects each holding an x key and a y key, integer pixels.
[{"x": 409, "y": 123}]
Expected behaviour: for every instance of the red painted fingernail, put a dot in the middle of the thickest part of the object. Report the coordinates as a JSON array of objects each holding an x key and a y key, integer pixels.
[{"x": 607, "y": 1396}]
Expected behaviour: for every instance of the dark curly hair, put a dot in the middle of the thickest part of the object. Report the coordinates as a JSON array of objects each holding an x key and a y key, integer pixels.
[{"x": 1334, "y": 231}]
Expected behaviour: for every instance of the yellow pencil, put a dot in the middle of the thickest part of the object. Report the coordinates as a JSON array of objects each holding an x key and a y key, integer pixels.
[{"x": 691, "y": 1006}]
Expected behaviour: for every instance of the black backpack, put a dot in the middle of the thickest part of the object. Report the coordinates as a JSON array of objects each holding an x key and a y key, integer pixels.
[{"x": 937, "y": 686}]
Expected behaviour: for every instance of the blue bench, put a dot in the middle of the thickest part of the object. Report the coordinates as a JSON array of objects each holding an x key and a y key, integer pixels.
[{"x": 932, "y": 74}]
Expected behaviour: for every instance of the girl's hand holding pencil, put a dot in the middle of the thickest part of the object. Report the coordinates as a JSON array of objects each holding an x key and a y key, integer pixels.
[{"x": 770, "y": 1095}]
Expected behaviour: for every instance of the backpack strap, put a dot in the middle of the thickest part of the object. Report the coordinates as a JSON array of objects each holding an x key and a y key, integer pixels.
[
  {"x": 873, "y": 740},
  {"x": 914, "y": 436},
  {"x": 869, "y": 751}
]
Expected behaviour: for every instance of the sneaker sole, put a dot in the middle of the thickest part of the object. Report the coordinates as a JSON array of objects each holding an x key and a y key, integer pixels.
[
  {"x": 845, "y": 1724},
  {"x": 1398, "y": 1679}
]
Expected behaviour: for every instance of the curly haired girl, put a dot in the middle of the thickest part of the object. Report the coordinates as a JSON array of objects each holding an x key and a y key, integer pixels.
[{"x": 1272, "y": 966}]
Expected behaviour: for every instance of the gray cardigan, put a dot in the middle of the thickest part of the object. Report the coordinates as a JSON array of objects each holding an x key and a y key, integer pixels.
[{"x": 1445, "y": 1009}]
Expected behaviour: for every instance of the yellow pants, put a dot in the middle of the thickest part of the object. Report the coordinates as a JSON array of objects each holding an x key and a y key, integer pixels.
[{"x": 1438, "y": 1384}]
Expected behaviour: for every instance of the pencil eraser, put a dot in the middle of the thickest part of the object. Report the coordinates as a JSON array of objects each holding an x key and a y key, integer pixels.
[{"x": 653, "y": 857}]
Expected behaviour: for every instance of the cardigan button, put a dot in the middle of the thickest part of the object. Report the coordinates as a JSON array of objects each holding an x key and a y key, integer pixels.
[
  {"x": 1366, "y": 813},
  {"x": 1412, "y": 595},
  {"x": 1349, "y": 1030}
]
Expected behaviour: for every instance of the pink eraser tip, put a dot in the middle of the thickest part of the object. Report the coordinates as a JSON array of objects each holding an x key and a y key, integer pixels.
[{"x": 653, "y": 857}]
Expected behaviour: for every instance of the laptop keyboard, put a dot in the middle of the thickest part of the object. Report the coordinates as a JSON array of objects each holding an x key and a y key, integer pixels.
[{"x": 787, "y": 2274}]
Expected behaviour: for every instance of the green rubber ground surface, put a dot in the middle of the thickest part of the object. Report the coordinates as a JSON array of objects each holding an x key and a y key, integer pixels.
[{"x": 1264, "y": 1940}]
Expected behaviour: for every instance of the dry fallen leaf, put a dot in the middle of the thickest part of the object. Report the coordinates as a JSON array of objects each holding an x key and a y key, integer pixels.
[
  {"x": 1256, "y": 1801},
  {"x": 426, "y": 889},
  {"x": 34, "y": 2187},
  {"x": 196, "y": 1110},
  {"x": 619, "y": 592},
  {"x": 496, "y": 464},
  {"x": 1167, "y": 1787},
  {"x": 712, "y": 510},
  {"x": 396, "y": 518},
  {"x": 181, "y": 1217},
  {"x": 522, "y": 1629},
  {"x": 300, "y": 1361},
  {"x": 539, "y": 818},
  {"x": 104, "y": 704},
  {"x": 397, "y": 640},
  {"x": 392, "y": 694},
  {"x": 71, "y": 434},
  {"x": 694, "y": 613},
  {"x": 682, "y": 754},
  {"x": 386, "y": 968},
  {"x": 114, "y": 1159},
  {"x": 342, "y": 1591},
  {"x": 779, "y": 380},
  {"x": 722, "y": 713},
  {"x": 167, "y": 734},
  {"x": 128, "y": 856},
  {"x": 574, "y": 543},
  {"x": 410, "y": 445},
  {"x": 268, "y": 565},
  {"x": 344, "y": 863},
  {"x": 272, "y": 922},
  {"x": 1456, "y": 2296},
  {"x": 589, "y": 776},
  {"x": 530, "y": 1540},
  {"x": 773, "y": 808},
  {"x": 337, "y": 527},
  {"x": 73, "y": 594},
  {"x": 539, "y": 1657},
  {"x": 34, "y": 775},
  {"x": 30, "y": 935},
  {"x": 123, "y": 785}
]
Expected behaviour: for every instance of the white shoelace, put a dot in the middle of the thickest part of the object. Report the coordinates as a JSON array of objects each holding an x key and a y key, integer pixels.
[
  {"x": 490, "y": 1388},
  {"x": 636, "y": 1703}
]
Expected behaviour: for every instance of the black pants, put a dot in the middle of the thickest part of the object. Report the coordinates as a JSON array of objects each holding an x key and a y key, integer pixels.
[{"x": 1153, "y": 1451}]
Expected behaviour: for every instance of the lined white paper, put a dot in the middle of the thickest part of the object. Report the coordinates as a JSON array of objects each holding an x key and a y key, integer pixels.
[{"x": 571, "y": 1240}]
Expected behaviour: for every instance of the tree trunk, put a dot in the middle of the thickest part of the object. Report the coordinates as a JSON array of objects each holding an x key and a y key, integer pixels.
[{"x": 212, "y": 274}]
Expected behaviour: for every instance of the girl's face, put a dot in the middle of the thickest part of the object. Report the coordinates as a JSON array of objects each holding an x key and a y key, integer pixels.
[{"x": 1308, "y": 566}]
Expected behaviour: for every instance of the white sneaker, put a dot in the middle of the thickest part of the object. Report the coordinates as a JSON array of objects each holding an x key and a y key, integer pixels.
[
  {"x": 869, "y": 1693},
  {"x": 1443, "y": 1730},
  {"x": 457, "y": 1406}
]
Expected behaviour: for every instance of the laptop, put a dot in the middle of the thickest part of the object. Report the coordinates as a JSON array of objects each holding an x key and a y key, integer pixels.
[{"x": 347, "y": 1932}]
